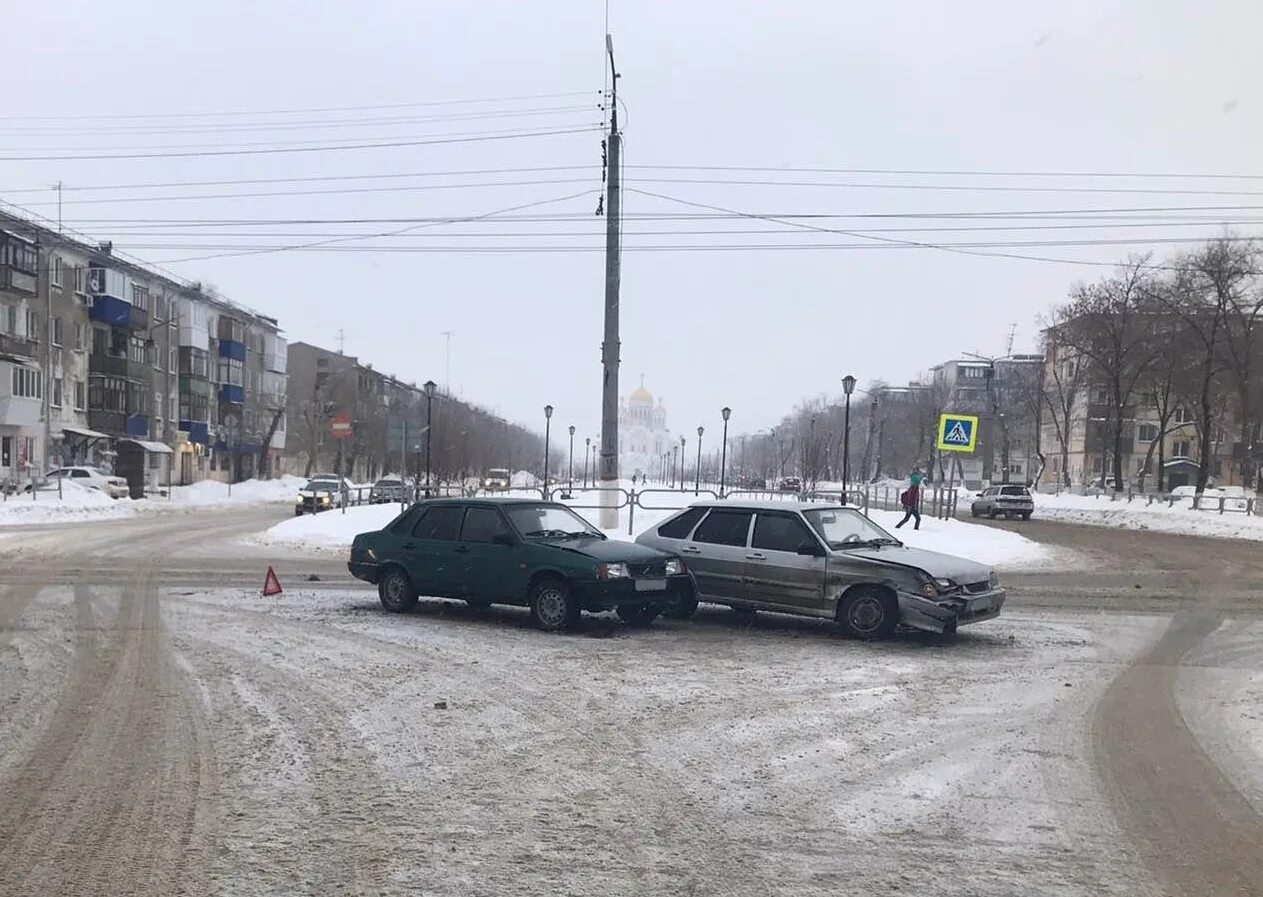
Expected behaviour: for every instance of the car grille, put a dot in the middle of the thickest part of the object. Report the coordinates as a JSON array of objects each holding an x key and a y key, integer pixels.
[
  {"x": 977, "y": 587},
  {"x": 656, "y": 568}
]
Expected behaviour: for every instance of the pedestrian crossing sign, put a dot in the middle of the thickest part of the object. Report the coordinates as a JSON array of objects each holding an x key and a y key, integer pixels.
[{"x": 957, "y": 432}]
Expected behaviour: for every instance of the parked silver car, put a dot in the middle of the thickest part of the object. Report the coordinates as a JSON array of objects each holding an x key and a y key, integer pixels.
[
  {"x": 822, "y": 560},
  {"x": 1006, "y": 501}
]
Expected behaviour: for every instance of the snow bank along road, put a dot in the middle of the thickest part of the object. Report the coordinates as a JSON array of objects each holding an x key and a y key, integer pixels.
[{"x": 167, "y": 731}]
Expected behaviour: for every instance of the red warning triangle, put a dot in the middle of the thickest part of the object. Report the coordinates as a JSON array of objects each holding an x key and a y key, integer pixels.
[{"x": 271, "y": 585}]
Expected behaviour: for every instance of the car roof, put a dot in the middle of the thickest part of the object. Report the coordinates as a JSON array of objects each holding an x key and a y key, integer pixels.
[
  {"x": 772, "y": 505},
  {"x": 489, "y": 500}
]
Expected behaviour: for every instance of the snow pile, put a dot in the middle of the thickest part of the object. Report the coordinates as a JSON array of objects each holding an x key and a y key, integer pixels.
[
  {"x": 328, "y": 529},
  {"x": 76, "y": 503},
  {"x": 524, "y": 479},
  {"x": 1136, "y": 514},
  {"x": 988, "y": 545},
  {"x": 212, "y": 492}
]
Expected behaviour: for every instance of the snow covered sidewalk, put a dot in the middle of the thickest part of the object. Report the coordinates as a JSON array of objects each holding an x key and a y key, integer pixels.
[{"x": 1136, "y": 514}]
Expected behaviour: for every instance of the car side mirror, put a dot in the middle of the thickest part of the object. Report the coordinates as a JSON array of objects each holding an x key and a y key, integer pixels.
[
  {"x": 503, "y": 539},
  {"x": 810, "y": 549}
]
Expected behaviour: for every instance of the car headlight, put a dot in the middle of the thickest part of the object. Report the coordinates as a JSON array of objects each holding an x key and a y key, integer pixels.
[
  {"x": 675, "y": 567},
  {"x": 613, "y": 571},
  {"x": 325, "y": 499},
  {"x": 928, "y": 588},
  {"x": 299, "y": 500},
  {"x": 944, "y": 585}
]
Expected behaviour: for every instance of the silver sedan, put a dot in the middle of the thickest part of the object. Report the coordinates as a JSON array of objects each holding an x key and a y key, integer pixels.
[{"x": 822, "y": 560}]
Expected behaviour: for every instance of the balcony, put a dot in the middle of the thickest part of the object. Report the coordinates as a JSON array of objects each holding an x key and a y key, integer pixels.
[
  {"x": 16, "y": 281},
  {"x": 137, "y": 425},
  {"x": 112, "y": 422},
  {"x": 199, "y": 431},
  {"x": 18, "y": 346},
  {"x": 120, "y": 366},
  {"x": 229, "y": 348},
  {"x": 117, "y": 313},
  {"x": 233, "y": 395},
  {"x": 16, "y": 411},
  {"x": 194, "y": 385}
]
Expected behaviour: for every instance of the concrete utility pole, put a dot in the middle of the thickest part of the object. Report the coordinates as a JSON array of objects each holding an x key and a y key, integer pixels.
[{"x": 610, "y": 347}]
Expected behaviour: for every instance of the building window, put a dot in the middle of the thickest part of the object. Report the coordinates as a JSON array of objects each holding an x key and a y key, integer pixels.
[
  {"x": 1147, "y": 432},
  {"x": 78, "y": 337},
  {"x": 172, "y": 359},
  {"x": 56, "y": 397},
  {"x": 137, "y": 397},
  {"x": 81, "y": 277},
  {"x": 81, "y": 395},
  {"x": 1100, "y": 395},
  {"x": 140, "y": 296},
  {"x": 100, "y": 341},
  {"x": 973, "y": 372},
  {"x": 194, "y": 406},
  {"x": 1181, "y": 448},
  {"x": 27, "y": 383},
  {"x": 231, "y": 371},
  {"x": 107, "y": 394},
  {"x": 1182, "y": 415},
  {"x": 32, "y": 324},
  {"x": 193, "y": 361},
  {"x": 9, "y": 319},
  {"x": 54, "y": 271},
  {"x": 136, "y": 350},
  {"x": 57, "y": 331}
]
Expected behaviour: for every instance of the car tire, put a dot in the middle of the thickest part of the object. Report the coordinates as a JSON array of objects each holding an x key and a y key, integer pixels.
[
  {"x": 553, "y": 607},
  {"x": 683, "y": 608},
  {"x": 638, "y": 614},
  {"x": 993, "y": 514},
  {"x": 1026, "y": 516},
  {"x": 869, "y": 613},
  {"x": 973, "y": 510},
  {"x": 396, "y": 591}
]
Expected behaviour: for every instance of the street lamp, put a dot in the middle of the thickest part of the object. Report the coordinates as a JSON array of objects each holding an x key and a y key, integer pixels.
[
  {"x": 416, "y": 471},
  {"x": 809, "y": 475},
  {"x": 726, "y": 413},
  {"x": 697, "y": 485},
  {"x": 587, "y": 451},
  {"x": 675, "y": 457},
  {"x": 848, "y": 387},
  {"x": 430, "y": 387},
  {"x": 681, "y": 456},
  {"x": 570, "y": 478},
  {"x": 548, "y": 423}
]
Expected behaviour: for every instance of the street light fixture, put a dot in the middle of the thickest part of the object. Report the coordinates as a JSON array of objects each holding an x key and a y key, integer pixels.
[
  {"x": 587, "y": 451},
  {"x": 548, "y": 423},
  {"x": 681, "y": 456},
  {"x": 697, "y": 485},
  {"x": 848, "y": 387},
  {"x": 430, "y": 387},
  {"x": 726, "y": 413}
]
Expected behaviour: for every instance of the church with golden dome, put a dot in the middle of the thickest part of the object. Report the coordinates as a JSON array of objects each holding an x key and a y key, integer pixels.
[{"x": 642, "y": 432}]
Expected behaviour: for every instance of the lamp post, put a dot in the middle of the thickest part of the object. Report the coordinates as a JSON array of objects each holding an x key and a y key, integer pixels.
[
  {"x": 697, "y": 484},
  {"x": 675, "y": 458},
  {"x": 809, "y": 475},
  {"x": 430, "y": 387},
  {"x": 416, "y": 471},
  {"x": 848, "y": 387},
  {"x": 570, "y": 476},
  {"x": 587, "y": 451},
  {"x": 726, "y": 413},
  {"x": 548, "y": 424},
  {"x": 683, "y": 440}
]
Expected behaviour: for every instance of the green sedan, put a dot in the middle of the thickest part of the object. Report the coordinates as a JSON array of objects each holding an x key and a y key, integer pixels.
[{"x": 516, "y": 551}]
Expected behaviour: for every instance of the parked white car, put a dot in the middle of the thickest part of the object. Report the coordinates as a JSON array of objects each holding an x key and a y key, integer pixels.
[{"x": 114, "y": 487}]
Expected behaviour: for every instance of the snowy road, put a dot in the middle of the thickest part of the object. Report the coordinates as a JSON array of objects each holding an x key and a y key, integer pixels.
[{"x": 169, "y": 731}]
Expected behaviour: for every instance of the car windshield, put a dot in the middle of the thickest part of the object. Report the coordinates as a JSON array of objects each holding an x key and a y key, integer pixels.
[
  {"x": 382, "y": 484},
  {"x": 322, "y": 485},
  {"x": 1015, "y": 490},
  {"x": 551, "y": 522},
  {"x": 846, "y": 528}
]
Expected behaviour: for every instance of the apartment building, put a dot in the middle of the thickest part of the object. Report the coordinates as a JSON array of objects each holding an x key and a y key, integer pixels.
[{"x": 106, "y": 362}]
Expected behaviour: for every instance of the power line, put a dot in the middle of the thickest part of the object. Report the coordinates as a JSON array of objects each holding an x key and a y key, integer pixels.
[
  {"x": 953, "y": 172},
  {"x": 305, "y": 149},
  {"x": 301, "y": 111},
  {"x": 963, "y": 188}
]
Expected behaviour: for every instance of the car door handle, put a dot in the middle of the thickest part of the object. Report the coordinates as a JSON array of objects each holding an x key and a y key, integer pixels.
[
  {"x": 755, "y": 556},
  {"x": 462, "y": 549},
  {"x": 690, "y": 549}
]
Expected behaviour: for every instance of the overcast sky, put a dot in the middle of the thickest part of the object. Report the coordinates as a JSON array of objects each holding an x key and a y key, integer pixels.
[{"x": 1127, "y": 88}]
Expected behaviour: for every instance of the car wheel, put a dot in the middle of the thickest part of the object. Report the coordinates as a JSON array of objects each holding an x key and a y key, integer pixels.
[
  {"x": 869, "y": 613},
  {"x": 973, "y": 510},
  {"x": 298, "y": 513},
  {"x": 396, "y": 591},
  {"x": 638, "y": 614},
  {"x": 553, "y": 608},
  {"x": 1026, "y": 516},
  {"x": 993, "y": 514},
  {"x": 683, "y": 608}
]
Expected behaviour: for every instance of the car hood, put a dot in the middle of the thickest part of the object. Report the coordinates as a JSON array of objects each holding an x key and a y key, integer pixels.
[
  {"x": 321, "y": 490},
  {"x": 609, "y": 551},
  {"x": 940, "y": 566}
]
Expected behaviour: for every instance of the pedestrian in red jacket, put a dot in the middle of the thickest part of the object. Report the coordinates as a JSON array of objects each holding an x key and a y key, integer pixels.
[{"x": 911, "y": 501}]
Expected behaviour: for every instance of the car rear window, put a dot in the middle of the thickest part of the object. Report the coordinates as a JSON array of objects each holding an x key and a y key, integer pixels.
[
  {"x": 680, "y": 527},
  {"x": 441, "y": 523},
  {"x": 724, "y": 528},
  {"x": 1015, "y": 490}
]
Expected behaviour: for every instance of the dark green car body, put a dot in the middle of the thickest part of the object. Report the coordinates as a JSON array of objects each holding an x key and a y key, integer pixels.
[{"x": 477, "y": 550}]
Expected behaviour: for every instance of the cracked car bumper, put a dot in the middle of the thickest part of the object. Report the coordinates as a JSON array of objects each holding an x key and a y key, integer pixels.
[{"x": 946, "y": 614}]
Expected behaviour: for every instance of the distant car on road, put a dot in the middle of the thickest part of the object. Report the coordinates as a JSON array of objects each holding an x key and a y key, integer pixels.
[
  {"x": 114, "y": 487},
  {"x": 323, "y": 492},
  {"x": 515, "y": 551},
  {"x": 1006, "y": 501},
  {"x": 498, "y": 479},
  {"x": 387, "y": 490},
  {"x": 821, "y": 560},
  {"x": 791, "y": 484}
]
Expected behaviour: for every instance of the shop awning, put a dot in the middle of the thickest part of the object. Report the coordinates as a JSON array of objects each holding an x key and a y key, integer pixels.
[
  {"x": 156, "y": 448},
  {"x": 83, "y": 433}
]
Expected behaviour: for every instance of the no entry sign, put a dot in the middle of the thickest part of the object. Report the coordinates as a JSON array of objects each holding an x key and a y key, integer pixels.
[{"x": 342, "y": 426}]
